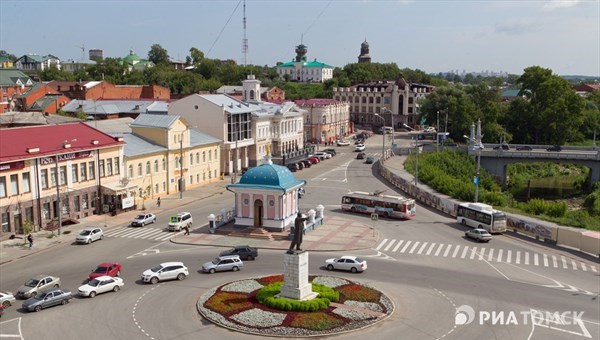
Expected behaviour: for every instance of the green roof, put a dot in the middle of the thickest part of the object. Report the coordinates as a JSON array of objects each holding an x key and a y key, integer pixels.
[
  {"x": 14, "y": 77},
  {"x": 313, "y": 63}
]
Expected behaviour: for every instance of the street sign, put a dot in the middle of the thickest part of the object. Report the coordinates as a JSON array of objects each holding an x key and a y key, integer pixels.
[
  {"x": 374, "y": 217},
  {"x": 476, "y": 180}
]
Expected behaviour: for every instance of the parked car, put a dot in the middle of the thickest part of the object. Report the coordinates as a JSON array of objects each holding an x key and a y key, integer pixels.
[
  {"x": 314, "y": 160},
  {"x": 101, "y": 284},
  {"x": 178, "y": 221},
  {"x": 555, "y": 148},
  {"x": 359, "y": 147},
  {"x": 430, "y": 129},
  {"x": 106, "y": 269},
  {"x": 350, "y": 263},
  {"x": 89, "y": 235},
  {"x": 480, "y": 235},
  {"x": 293, "y": 167},
  {"x": 359, "y": 141},
  {"x": 1, "y": 310},
  {"x": 524, "y": 148},
  {"x": 244, "y": 252},
  {"x": 306, "y": 163},
  {"x": 343, "y": 143},
  {"x": 504, "y": 147},
  {"x": 322, "y": 155},
  {"x": 36, "y": 285},
  {"x": 332, "y": 152},
  {"x": 360, "y": 155},
  {"x": 223, "y": 263},
  {"x": 165, "y": 271},
  {"x": 370, "y": 160},
  {"x": 300, "y": 165},
  {"x": 47, "y": 299},
  {"x": 143, "y": 219},
  {"x": 7, "y": 299}
]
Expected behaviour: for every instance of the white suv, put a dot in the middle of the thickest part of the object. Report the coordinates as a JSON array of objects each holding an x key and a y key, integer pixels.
[
  {"x": 166, "y": 271},
  {"x": 177, "y": 222}
]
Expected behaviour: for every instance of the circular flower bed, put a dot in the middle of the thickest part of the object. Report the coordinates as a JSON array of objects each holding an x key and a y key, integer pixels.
[{"x": 235, "y": 306}]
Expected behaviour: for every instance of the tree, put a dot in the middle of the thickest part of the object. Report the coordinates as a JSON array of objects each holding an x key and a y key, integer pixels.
[
  {"x": 12, "y": 57},
  {"x": 53, "y": 73},
  {"x": 158, "y": 55}
]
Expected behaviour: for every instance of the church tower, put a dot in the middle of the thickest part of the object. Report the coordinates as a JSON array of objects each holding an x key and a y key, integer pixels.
[{"x": 364, "y": 56}]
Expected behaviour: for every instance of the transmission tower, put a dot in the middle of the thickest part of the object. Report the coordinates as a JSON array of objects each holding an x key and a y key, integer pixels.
[{"x": 245, "y": 40}]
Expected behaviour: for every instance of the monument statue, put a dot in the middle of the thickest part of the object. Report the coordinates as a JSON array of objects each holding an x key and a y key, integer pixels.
[{"x": 298, "y": 232}]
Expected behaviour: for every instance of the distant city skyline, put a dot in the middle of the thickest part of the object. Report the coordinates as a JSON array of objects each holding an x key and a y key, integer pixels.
[{"x": 430, "y": 35}]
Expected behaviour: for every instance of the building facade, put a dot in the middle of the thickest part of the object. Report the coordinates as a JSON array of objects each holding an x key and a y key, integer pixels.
[
  {"x": 303, "y": 71},
  {"x": 326, "y": 120},
  {"x": 35, "y": 62},
  {"x": 13, "y": 83},
  {"x": 396, "y": 101},
  {"x": 364, "y": 56},
  {"x": 40, "y": 166}
]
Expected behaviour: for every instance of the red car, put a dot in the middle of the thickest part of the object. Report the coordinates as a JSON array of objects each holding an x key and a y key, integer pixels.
[
  {"x": 106, "y": 269},
  {"x": 313, "y": 160}
]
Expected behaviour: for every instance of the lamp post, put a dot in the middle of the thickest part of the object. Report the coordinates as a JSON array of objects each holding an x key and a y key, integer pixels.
[
  {"x": 382, "y": 139},
  {"x": 477, "y": 146},
  {"x": 58, "y": 207},
  {"x": 393, "y": 127},
  {"x": 417, "y": 161},
  {"x": 437, "y": 136}
]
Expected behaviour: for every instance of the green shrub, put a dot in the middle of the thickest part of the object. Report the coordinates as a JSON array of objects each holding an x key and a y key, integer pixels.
[{"x": 266, "y": 296}]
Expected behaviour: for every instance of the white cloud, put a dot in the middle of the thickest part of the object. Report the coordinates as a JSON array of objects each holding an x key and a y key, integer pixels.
[{"x": 558, "y": 4}]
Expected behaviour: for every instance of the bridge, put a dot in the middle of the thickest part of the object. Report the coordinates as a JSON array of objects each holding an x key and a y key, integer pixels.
[{"x": 496, "y": 161}]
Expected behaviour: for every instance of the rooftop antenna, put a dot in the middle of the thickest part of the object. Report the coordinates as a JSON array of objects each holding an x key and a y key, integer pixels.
[{"x": 245, "y": 40}]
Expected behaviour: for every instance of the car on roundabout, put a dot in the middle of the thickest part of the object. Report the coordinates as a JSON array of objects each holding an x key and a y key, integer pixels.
[
  {"x": 47, "y": 299},
  {"x": 36, "y": 285},
  {"x": 101, "y": 284},
  {"x": 106, "y": 269},
  {"x": 244, "y": 252},
  {"x": 165, "y": 271},
  {"x": 322, "y": 155},
  {"x": 7, "y": 299},
  {"x": 142, "y": 219},
  {"x": 479, "y": 235},
  {"x": 359, "y": 147},
  {"x": 343, "y": 143},
  {"x": 332, "y": 152},
  {"x": 349, "y": 263},
  {"x": 89, "y": 235},
  {"x": 370, "y": 160},
  {"x": 223, "y": 263},
  {"x": 360, "y": 155}
]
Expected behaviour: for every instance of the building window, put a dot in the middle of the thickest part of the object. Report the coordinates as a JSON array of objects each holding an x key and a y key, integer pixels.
[
  {"x": 155, "y": 165},
  {"x": 14, "y": 184},
  {"x": 53, "y": 177},
  {"x": 76, "y": 204},
  {"x": 197, "y": 178},
  {"x": 44, "y": 178},
  {"x": 26, "y": 185},
  {"x": 74, "y": 174},
  {"x": 156, "y": 188},
  {"x": 108, "y": 167},
  {"x": 84, "y": 201},
  {"x": 140, "y": 170},
  {"x": 148, "y": 168},
  {"x": 164, "y": 186},
  {"x": 63, "y": 175},
  {"x": 210, "y": 155},
  {"x": 91, "y": 171},
  {"x": 177, "y": 162},
  {"x": 164, "y": 164},
  {"x": 130, "y": 171},
  {"x": 3, "y": 187},
  {"x": 191, "y": 179},
  {"x": 191, "y": 159},
  {"x": 101, "y": 168},
  {"x": 117, "y": 168},
  {"x": 82, "y": 170},
  {"x": 203, "y": 156},
  {"x": 197, "y": 158},
  {"x": 46, "y": 211}
]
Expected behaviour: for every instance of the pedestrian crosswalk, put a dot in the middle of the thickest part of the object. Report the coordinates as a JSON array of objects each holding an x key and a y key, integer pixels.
[
  {"x": 480, "y": 253},
  {"x": 141, "y": 233}
]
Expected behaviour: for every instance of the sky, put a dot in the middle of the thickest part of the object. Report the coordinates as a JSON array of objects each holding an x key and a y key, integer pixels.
[{"x": 430, "y": 35}]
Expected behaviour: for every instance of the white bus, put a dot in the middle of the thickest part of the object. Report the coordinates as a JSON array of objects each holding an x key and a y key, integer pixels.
[
  {"x": 479, "y": 215},
  {"x": 384, "y": 205}
]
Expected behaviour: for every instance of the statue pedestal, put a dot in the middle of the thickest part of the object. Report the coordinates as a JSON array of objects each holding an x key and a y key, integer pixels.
[{"x": 295, "y": 277}]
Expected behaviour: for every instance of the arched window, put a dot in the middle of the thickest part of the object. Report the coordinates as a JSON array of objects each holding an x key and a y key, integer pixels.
[
  {"x": 148, "y": 168},
  {"x": 156, "y": 167},
  {"x": 251, "y": 94},
  {"x": 197, "y": 157},
  {"x": 140, "y": 170},
  {"x": 210, "y": 155},
  {"x": 203, "y": 156},
  {"x": 177, "y": 162},
  {"x": 191, "y": 159},
  {"x": 130, "y": 171},
  {"x": 164, "y": 164}
]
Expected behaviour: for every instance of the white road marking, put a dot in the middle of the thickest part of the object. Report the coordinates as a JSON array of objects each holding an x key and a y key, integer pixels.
[
  {"x": 554, "y": 261},
  {"x": 437, "y": 252},
  {"x": 389, "y": 245},
  {"x": 508, "y": 256},
  {"x": 518, "y": 257},
  {"x": 527, "y": 258},
  {"x": 473, "y": 252},
  {"x": 499, "y": 259},
  {"x": 574, "y": 264},
  {"x": 536, "y": 261},
  {"x": 481, "y": 254},
  {"x": 381, "y": 244},
  {"x": 430, "y": 248},
  {"x": 456, "y": 249},
  {"x": 594, "y": 269},
  {"x": 405, "y": 246},
  {"x": 422, "y": 248},
  {"x": 447, "y": 250},
  {"x": 464, "y": 253},
  {"x": 583, "y": 267},
  {"x": 398, "y": 246},
  {"x": 491, "y": 255},
  {"x": 564, "y": 262},
  {"x": 415, "y": 245}
]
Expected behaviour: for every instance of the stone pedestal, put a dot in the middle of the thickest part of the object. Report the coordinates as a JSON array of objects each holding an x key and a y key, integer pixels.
[{"x": 295, "y": 277}]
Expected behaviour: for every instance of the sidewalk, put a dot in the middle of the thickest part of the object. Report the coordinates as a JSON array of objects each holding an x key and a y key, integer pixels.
[{"x": 338, "y": 233}]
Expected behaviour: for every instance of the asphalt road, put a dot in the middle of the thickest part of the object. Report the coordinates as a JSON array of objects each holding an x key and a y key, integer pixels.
[{"x": 425, "y": 265}]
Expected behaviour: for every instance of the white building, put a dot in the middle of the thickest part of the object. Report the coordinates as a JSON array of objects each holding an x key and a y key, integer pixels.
[{"x": 303, "y": 71}]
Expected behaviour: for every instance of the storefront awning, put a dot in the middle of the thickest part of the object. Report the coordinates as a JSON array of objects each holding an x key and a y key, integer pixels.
[{"x": 116, "y": 188}]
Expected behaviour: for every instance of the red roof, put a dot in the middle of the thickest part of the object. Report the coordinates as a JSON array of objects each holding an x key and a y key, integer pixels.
[{"x": 49, "y": 139}]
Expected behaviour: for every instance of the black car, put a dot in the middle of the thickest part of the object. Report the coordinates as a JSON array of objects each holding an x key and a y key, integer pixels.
[
  {"x": 502, "y": 146},
  {"x": 330, "y": 151},
  {"x": 300, "y": 165},
  {"x": 524, "y": 148},
  {"x": 555, "y": 148},
  {"x": 244, "y": 252},
  {"x": 306, "y": 162},
  {"x": 293, "y": 167}
]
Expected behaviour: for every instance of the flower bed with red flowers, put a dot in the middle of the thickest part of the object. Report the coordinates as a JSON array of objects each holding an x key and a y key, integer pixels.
[{"x": 235, "y": 306}]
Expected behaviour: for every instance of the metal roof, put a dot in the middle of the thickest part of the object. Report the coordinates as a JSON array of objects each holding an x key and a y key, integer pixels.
[
  {"x": 138, "y": 146},
  {"x": 198, "y": 138},
  {"x": 229, "y": 103},
  {"x": 156, "y": 121}
]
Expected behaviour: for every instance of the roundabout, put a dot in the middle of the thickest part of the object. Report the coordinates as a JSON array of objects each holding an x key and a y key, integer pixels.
[{"x": 235, "y": 306}]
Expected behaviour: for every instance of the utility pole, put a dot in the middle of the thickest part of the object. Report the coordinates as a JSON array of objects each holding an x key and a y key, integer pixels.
[
  {"x": 58, "y": 208},
  {"x": 181, "y": 166},
  {"x": 417, "y": 161},
  {"x": 437, "y": 131}
]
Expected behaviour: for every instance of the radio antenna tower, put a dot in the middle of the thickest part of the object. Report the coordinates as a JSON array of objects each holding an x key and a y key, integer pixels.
[{"x": 245, "y": 40}]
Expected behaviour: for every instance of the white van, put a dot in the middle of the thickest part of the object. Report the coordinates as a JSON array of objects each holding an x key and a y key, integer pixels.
[
  {"x": 177, "y": 222},
  {"x": 386, "y": 130}
]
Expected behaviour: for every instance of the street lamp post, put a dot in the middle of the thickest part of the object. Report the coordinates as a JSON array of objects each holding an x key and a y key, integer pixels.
[
  {"x": 393, "y": 126},
  {"x": 58, "y": 207},
  {"x": 382, "y": 139},
  {"x": 417, "y": 161},
  {"x": 475, "y": 140}
]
